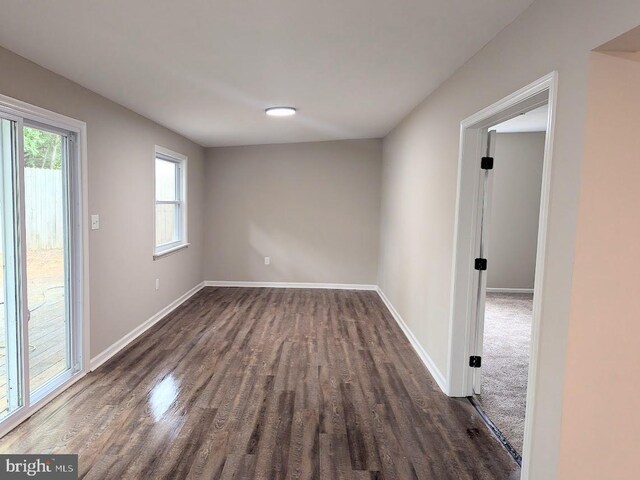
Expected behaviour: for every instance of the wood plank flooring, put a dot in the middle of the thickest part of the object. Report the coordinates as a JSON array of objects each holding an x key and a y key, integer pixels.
[{"x": 257, "y": 383}]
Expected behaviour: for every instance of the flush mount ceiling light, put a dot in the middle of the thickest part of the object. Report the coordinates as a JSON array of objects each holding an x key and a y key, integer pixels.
[{"x": 280, "y": 111}]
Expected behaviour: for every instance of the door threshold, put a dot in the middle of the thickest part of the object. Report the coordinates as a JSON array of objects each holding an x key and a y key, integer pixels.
[{"x": 496, "y": 431}]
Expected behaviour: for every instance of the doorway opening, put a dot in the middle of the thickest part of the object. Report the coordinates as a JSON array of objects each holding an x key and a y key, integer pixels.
[
  {"x": 499, "y": 259},
  {"x": 510, "y": 205}
]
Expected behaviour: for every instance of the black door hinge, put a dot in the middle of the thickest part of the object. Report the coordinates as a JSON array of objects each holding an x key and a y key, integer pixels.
[
  {"x": 486, "y": 163},
  {"x": 475, "y": 362},
  {"x": 481, "y": 264}
]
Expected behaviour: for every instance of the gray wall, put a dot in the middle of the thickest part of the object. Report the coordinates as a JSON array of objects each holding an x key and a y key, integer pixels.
[
  {"x": 312, "y": 207},
  {"x": 515, "y": 207},
  {"x": 420, "y": 179},
  {"x": 121, "y": 175}
]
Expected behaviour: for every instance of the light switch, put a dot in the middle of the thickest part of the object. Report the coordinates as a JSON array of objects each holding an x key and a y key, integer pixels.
[
  {"x": 267, "y": 260},
  {"x": 95, "y": 222}
]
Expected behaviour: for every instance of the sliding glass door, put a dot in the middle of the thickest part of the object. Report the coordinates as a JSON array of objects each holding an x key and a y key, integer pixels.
[{"x": 39, "y": 326}]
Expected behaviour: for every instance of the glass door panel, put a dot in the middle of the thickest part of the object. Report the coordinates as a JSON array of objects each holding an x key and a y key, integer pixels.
[
  {"x": 46, "y": 225},
  {"x": 11, "y": 397},
  {"x": 40, "y": 348}
]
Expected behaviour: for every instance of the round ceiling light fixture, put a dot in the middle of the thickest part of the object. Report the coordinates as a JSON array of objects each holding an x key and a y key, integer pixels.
[{"x": 280, "y": 111}]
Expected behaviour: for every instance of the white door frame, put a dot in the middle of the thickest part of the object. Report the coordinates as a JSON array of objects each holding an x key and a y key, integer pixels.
[
  {"x": 79, "y": 261},
  {"x": 464, "y": 286}
]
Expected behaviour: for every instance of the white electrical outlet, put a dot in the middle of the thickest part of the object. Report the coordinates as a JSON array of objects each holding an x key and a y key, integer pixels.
[
  {"x": 95, "y": 222},
  {"x": 267, "y": 260},
  {"x": 157, "y": 284}
]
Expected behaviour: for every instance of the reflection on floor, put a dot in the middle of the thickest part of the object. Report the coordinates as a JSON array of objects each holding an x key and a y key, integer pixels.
[{"x": 505, "y": 362}]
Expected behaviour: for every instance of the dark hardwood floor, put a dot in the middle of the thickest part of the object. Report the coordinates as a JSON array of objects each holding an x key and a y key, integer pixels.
[{"x": 267, "y": 383}]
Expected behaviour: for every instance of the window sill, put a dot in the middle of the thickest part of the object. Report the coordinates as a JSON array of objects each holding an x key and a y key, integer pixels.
[{"x": 169, "y": 251}]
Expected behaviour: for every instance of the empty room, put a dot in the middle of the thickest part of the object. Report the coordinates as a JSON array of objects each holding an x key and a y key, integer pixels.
[{"x": 319, "y": 240}]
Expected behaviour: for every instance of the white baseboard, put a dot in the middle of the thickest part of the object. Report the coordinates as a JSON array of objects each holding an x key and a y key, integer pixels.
[
  {"x": 509, "y": 290},
  {"x": 424, "y": 356},
  {"x": 330, "y": 286},
  {"x": 135, "y": 333}
]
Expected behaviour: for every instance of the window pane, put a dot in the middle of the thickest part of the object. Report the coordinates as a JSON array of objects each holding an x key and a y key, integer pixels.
[
  {"x": 166, "y": 180},
  {"x": 45, "y": 206},
  {"x": 167, "y": 223}
]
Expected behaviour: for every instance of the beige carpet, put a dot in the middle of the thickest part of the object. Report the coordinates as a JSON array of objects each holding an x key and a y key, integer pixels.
[{"x": 505, "y": 362}]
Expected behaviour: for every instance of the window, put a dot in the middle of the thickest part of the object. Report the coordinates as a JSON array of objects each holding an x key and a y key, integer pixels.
[{"x": 170, "y": 202}]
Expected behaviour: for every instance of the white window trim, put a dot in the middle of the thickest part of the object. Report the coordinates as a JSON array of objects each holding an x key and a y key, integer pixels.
[{"x": 182, "y": 161}]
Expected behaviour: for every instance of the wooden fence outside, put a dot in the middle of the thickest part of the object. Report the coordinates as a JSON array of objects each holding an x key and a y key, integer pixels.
[{"x": 44, "y": 208}]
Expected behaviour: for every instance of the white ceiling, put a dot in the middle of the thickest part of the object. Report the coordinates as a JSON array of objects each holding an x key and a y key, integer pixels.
[
  {"x": 208, "y": 68},
  {"x": 532, "y": 121}
]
